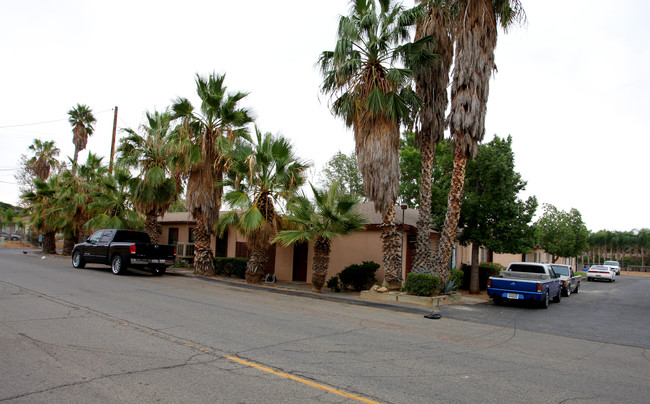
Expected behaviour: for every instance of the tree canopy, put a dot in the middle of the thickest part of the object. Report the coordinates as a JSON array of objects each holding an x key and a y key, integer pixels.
[{"x": 562, "y": 234}]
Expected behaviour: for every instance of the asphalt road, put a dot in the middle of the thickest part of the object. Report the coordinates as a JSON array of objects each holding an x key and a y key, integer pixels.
[{"x": 71, "y": 335}]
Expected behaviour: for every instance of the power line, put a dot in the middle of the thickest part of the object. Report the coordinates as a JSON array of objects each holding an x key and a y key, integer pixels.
[{"x": 44, "y": 122}]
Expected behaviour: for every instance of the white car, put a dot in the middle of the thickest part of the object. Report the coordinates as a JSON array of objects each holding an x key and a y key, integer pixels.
[
  {"x": 601, "y": 272},
  {"x": 614, "y": 265}
]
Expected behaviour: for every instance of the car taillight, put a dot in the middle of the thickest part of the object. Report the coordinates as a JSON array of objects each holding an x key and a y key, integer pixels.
[
  {"x": 132, "y": 249},
  {"x": 539, "y": 287},
  {"x": 489, "y": 282}
]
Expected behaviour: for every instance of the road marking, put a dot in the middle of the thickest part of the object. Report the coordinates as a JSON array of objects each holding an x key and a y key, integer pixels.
[{"x": 301, "y": 380}]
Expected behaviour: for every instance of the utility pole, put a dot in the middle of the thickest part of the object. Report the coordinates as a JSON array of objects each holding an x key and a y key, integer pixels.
[{"x": 110, "y": 166}]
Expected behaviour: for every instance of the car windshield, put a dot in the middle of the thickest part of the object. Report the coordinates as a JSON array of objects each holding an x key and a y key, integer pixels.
[
  {"x": 613, "y": 263},
  {"x": 598, "y": 268},
  {"x": 561, "y": 270}
]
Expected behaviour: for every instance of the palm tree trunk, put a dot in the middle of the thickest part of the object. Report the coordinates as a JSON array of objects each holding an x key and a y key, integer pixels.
[
  {"x": 203, "y": 256},
  {"x": 68, "y": 245},
  {"x": 392, "y": 259},
  {"x": 474, "y": 287},
  {"x": 454, "y": 203},
  {"x": 255, "y": 266},
  {"x": 152, "y": 227},
  {"x": 422, "y": 261},
  {"x": 322, "y": 248},
  {"x": 49, "y": 242}
]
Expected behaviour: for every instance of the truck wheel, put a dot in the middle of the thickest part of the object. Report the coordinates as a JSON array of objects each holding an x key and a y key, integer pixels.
[
  {"x": 498, "y": 301},
  {"x": 577, "y": 290},
  {"x": 567, "y": 292},
  {"x": 117, "y": 265},
  {"x": 557, "y": 298},
  {"x": 78, "y": 259},
  {"x": 544, "y": 304},
  {"x": 158, "y": 270}
]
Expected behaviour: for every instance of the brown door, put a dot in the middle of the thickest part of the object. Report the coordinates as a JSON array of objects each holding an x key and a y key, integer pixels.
[
  {"x": 411, "y": 243},
  {"x": 269, "y": 267},
  {"x": 300, "y": 256}
]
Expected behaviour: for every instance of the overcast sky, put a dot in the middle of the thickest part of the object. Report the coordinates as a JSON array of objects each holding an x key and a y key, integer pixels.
[{"x": 572, "y": 86}]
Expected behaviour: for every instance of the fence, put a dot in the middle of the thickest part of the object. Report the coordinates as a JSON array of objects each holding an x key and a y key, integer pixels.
[{"x": 185, "y": 252}]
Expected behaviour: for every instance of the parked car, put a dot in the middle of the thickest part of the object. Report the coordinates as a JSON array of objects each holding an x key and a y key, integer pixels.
[
  {"x": 601, "y": 272},
  {"x": 122, "y": 249},
  {"x": 569, "y": 281},
  {"x": 12, "y": 237},
  {"x": 614, "y": 265},
  {"x": 526, "y": 281}
]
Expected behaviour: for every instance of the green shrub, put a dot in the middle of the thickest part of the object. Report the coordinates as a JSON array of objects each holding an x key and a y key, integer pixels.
[
  {"x": 421, "y": 284},
  {"x": 333, "y": 283},
  {"x": 359, "y": 277},
  {"x": 485, "y": 270},
  {"x": 456, "y": 276},
  {"x": 234, "y": 267}
]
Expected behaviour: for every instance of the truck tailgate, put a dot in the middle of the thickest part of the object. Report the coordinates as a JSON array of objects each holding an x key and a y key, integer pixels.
[{"x": 520, "y": 285}]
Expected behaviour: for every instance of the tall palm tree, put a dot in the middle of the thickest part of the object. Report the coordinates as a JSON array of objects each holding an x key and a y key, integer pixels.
[
  {"x": 203, "y": 138},
  {"x": 155, "y": 187},
  {"x": 332, "y": 215},
  {"x": 373, "y": 96},
  {"x": 431, "y": 85},
  {"x": 475, "y": 32},
  {"x": 44, "y": 159},
  {"x": 82, "y": 120},
  {"x": 262, "y": 174}
]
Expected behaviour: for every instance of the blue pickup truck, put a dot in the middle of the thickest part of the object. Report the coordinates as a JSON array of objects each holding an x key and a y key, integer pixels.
[{"x": 526, "y": 281}]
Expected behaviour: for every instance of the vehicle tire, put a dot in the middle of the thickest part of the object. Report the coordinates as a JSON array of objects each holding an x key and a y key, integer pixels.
[
  {"x": 544, "y": 304},
  {"x": 558, "y": 298},
  {"x": 577, "y": 289},
  {"x": 567, "y": 293},
  {"x": 15, "y": 239},
  {"x": 158, "y": 270},
  {"x": 117, "y": 265},
  {"x": 78, "y": 260},
  {"x": 589, "y": 279},
  {"x": 498, "y": 301}
]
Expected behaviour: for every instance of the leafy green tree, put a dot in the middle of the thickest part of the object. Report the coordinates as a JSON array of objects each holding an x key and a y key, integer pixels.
[
  {"x": 155, "y": 187},
  {"x": 562, "y": 234},
  {"x": 492, "y": 214},
  {"x": 262, "y": 174},
  {"x": 474, "y": 26},
  {"x": 82, "y": 120},
  {"x": 410, "y": 164},
  {"x": 343, "y": 169},
  {"x": 200, "y": 146},
  {"x": 332, "y": 215},
  {"x": 374, "y": 97}
]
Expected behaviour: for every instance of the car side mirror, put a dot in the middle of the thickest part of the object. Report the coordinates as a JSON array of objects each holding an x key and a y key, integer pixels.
[{"x": 83, "y": 240}]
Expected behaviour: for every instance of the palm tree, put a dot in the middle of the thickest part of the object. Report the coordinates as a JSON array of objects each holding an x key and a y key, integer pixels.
[
  {"x": 156, "y": 187},
  {"x": 431, "y": 85},
  {"x": 44, "y": 159},
  {"x": 263, "y": 173},
  {"x": 75, "y": 193},
  {"x": 373, "y": 96},
  {"x": 332, "y": 215},
  {"x": 82, "y": 120},
  {"x": 111, "y": 206},
  {"x": 200, "y": 145},
  {"x": 475, "y": 32},
  {"x": 42, "y": 217}
]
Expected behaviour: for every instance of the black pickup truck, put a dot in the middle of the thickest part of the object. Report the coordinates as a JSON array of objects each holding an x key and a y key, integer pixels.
[{"x": 122, "y": 249}]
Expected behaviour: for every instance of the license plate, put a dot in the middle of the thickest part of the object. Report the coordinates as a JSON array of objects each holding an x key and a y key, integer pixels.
[{"x": 513, "y": 296}]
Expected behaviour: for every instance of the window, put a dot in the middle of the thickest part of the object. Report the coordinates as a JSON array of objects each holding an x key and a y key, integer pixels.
[
  {"x": 190, "y": 238},
  {"x": 95, "y": 237},
  {"x": 173, "y": 236}
]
